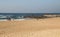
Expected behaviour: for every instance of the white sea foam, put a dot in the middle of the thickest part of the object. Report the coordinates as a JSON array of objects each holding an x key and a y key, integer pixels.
[
  {"x": 3, "y": 20},
  {"x": 12, "y": 19},
  {"x": 17, "y": 19}
]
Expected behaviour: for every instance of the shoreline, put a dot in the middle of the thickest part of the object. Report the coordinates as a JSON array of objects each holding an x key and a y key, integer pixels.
[
  {"x": 27, "y": 19},
  {"x": 15, "y": 19}
]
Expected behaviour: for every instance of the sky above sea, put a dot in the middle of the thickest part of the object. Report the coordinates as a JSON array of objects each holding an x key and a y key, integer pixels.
[{"x": 29, "y": 6}]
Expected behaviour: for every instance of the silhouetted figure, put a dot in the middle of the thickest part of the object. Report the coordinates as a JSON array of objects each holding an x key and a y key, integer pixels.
[{"x": 8, "y": 18}]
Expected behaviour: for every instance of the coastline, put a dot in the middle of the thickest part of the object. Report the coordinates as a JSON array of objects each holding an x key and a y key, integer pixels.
[{"x": 15, "y": 19}]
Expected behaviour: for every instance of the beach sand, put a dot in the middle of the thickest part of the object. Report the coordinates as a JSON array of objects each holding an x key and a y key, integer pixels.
[{"x": 49, "y": 27}]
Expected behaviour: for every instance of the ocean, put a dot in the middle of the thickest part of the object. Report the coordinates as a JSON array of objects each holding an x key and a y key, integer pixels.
[{"x": 21, "y": 15}]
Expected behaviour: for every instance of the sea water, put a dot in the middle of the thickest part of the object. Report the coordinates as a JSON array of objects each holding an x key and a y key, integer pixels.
[{"x": 20, "y": 16}]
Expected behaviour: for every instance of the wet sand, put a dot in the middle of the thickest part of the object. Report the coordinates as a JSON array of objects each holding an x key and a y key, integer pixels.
[{"x": 49, "y": 27}]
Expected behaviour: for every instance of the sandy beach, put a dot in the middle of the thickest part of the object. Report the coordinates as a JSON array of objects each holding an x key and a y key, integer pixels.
[{"x": 49, "y": 27}]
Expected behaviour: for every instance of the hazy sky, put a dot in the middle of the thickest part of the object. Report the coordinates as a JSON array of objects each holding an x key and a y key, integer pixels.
[{"x": 29, "y": 6}]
